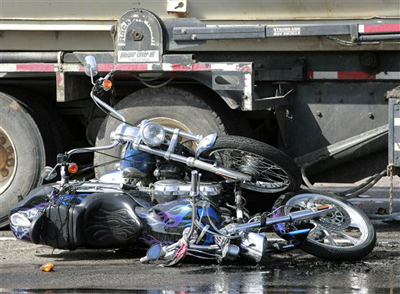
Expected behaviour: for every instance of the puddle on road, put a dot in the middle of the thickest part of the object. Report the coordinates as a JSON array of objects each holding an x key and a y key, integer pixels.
[
  {"x": 269, "y": 289},
  {"x": 250, "y": 280},
  {"x": 295, "y": 273}
]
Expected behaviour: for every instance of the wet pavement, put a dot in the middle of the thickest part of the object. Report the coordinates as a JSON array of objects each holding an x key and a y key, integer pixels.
[
  {"x": 376, "y": 201},
  {"x": 103, "y": 271}
]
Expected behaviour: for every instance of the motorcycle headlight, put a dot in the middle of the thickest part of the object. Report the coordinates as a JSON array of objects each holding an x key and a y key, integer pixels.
[
  {"x": 18, "y": 219},
  {"x": 153, "y": 134}
]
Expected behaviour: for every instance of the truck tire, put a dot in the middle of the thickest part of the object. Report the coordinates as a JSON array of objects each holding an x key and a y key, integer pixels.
[
  {"x": 55, "y": 134},
  {"x": 22, "y": 154},
  {"x": 169, "y": 106}
]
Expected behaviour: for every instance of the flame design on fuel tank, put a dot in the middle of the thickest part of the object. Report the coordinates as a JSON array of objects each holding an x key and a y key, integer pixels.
[
  {"x": 175, "y": 216},
  {"x": 113, "y": 225},
  {"x": 170, "y": 215}
]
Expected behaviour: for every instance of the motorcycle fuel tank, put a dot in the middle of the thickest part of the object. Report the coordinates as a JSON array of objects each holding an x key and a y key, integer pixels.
[{"x": 165, "y": 222}]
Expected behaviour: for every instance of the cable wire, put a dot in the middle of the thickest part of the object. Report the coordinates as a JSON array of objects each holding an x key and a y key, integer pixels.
[{"x": 156, "y": 86}]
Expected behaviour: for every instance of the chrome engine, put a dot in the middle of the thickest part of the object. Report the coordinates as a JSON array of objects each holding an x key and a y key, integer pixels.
[{"x": 172, "y": 189}]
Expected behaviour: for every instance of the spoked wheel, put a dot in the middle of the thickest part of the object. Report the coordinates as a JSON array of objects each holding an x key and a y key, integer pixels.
[
  {"x": 271, "y": 170},
  {"x": 345, "y": 234}
]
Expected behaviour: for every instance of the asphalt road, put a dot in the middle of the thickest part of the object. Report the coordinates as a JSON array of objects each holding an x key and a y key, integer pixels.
[
  {"x": 104, "y": 271},
  {"x": 374, "y": 202}
]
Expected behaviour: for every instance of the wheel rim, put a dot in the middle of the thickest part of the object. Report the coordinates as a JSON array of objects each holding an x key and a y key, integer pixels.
[
  {"x": 265, "y": 174},
  {"x": 8, "y": 160},
  {"x": 173, "y": 123},
  {"x": 343, "y": 228}
]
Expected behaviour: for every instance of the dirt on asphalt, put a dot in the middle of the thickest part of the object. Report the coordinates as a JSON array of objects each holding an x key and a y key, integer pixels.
[{"x": 92, "y": 271}]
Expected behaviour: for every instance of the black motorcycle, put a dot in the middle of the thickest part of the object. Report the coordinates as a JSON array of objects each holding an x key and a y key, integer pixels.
[{"x": 158, "y": 199}]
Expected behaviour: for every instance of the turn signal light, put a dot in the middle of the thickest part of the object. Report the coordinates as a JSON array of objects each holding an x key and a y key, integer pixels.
[
  {"x": 107, "y": 84},
  {"x": 72, "y": 168},
  {"x": 322, "y": 207}
]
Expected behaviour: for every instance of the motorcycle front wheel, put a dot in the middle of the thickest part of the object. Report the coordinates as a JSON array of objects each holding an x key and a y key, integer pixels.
[
  {"x": 271, "y": 170},
  {"x": 345, "y": 234}
]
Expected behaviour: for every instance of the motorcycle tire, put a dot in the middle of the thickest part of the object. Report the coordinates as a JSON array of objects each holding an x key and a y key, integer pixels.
[
  {"x": 272, "y": 170},
  {"x": 345, "y": 235}
]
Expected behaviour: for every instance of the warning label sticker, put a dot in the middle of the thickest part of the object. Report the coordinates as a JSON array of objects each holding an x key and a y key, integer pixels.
[
  {"x": 287, "y": 31},
  {"x": 139, "y": 56}
]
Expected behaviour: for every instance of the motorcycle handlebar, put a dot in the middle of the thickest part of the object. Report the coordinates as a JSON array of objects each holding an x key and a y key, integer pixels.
[
  {"x": 91, "y": 149},
  {"x": 169, "y": 154},
  {"x": 104, "y": 105}
]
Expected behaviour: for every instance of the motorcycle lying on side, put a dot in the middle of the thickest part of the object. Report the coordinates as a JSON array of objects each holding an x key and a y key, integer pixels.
[{"x": 157, "y": 199}]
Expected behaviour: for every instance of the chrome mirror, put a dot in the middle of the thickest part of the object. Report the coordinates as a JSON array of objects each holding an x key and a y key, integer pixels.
[
  {"x": 48, "y": 173},
  {"x": 90, "y": 64},
  {"x": 154, "y": 252}
]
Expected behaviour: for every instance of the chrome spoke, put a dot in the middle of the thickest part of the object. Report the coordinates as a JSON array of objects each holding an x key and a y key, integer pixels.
[
  {"x": 347, "y": 237},
  {"x": 317, "y": 228},
  {"x": 329, "y": 237},
  {"x": 269, "y": 172},
  {"x": 265, "y": 173}
]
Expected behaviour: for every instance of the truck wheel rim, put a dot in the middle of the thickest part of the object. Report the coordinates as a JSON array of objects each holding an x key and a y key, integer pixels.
[
  {"x": 173, "y": 123},
  {"x": 8, "y": 160}
]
